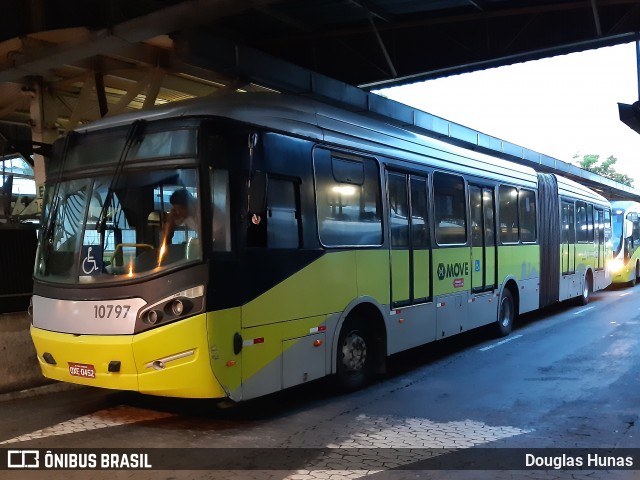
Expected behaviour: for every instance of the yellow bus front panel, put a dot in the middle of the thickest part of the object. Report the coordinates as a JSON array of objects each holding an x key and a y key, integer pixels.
[
  {"x": 93, "y": 351},
  {"x": 169, "y": 360}
]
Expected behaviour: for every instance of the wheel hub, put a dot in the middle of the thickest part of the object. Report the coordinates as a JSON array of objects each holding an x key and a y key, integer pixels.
[
  {"x": 505, "y": 313},
  {"x": 354, "y": 352}
]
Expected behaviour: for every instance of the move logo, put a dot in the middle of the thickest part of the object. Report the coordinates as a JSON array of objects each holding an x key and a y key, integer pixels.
[{"x": 451, "y": 270}]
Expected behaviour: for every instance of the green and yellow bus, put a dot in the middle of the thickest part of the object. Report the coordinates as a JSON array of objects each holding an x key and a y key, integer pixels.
[
  {"x": 625, "y": 265},
  {"x": 318, "y": 242}
]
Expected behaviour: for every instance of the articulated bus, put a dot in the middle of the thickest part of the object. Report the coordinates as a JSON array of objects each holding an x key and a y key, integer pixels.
[
  {"x": 320, "y": 242},
  {"x": 625, "y": 265}
]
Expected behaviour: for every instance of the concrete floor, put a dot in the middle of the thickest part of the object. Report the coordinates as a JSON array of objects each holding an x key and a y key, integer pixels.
[{"x": 465, "y": 408}]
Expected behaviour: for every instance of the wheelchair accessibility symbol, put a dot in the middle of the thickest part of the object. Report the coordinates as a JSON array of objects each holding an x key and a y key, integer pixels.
[{"x": 91, "y": 262}]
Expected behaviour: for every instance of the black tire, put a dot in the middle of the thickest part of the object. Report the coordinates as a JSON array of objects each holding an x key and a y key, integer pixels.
[
  {"x": 506, "y": 314},
  {"x": 354, "y": 356},
  {"x": 632, "y": 282},
  {"x": 587, "y": 289}
]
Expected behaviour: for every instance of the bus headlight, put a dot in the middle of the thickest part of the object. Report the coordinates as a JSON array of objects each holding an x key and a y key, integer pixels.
[
  {"x": 615, "y": 265},
  {"x": 152, "y": 317},
  {"x": 177, "y": 307},
  {"x": 172, "y": 308}
]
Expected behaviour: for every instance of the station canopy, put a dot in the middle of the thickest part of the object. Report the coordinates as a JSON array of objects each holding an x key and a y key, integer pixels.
[{"x": 86, "y": 59}]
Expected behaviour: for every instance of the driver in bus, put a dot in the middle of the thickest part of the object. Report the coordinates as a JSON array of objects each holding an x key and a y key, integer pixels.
[{"x": 183, "y": 213}]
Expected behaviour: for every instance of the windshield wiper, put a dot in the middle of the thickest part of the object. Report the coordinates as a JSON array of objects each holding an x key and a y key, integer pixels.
[
  {"x": 132, "y": 136},
  {"x": 48, "y": 233}
]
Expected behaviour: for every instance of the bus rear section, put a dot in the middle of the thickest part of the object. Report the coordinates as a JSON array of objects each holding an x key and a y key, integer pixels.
[
  {"x": 625, "y": 265},
  {"x": 584, "y": 241}
]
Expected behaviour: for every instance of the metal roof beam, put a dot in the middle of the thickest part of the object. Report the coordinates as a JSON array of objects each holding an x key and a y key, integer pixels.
[
  {"x": 373, "y": 10},
  {"x": 467, "y": 17},
  {"x": 84, "y": 102},
  {"x": 479, "y": 4},
  {"x": 252, "y": 65},
  {"x": 506, "y": 60},
  {"x": 596, "y": 18},
  {"x": 307, "y": 29},
  {"x": 383, "y": 48},
  {"x": 18, "y": 102},
  {"x": 153, "y": 89},
  {"x": 170, "y": 19}
]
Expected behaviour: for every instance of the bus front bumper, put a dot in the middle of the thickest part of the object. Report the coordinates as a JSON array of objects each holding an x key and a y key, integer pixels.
[{"x": 172, "y": 360}]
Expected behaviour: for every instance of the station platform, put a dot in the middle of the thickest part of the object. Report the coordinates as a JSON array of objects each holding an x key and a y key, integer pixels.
[{"x": 19, "y": 368}]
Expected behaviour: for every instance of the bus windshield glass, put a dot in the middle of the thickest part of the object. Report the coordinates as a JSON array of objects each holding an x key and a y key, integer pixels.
[
  {"x": 103, "y": 230},
  {"x": 617, "y": 220}
]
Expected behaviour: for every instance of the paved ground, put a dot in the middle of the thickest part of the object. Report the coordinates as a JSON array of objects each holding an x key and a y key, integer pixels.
[{"x": 568, "y": 378}]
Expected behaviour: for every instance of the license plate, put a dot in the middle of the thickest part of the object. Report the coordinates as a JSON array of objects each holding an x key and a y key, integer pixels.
[{"x": 82, "y": 370}]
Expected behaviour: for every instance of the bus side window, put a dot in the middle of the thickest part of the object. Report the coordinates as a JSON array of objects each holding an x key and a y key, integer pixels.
[
  {"x": 450, "y": 209},
  {"x": 590, "y": 224},
  {"x": 221, "y": 219},
  {"x": 568, "y": 234},
  {"x": 283, "y": 217},
  {"x": 419, "y": 209},
  {"x": 571, "y": 212},
  {"x": 477, "y": 230},
  {"x": 527, "y": 215},
  {"x": 598, "y": 225},
  {"x": 508, "y": 213},
  {"x": 489, "y": 227},
  {"x": 607, "y": 224},
  {"x": 581, "y": 223},
  {"x": 398, "y": 210},
  {"x": 349, "y": 202}
]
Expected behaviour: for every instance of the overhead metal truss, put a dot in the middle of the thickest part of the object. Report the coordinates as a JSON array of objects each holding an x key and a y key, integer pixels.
[{"x": 68, "y": 62}]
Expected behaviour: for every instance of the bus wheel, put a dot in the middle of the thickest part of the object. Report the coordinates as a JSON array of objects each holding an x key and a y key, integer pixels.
[
  {"x": 506, "y": 313},
  {"x": 587, "y": 288},
  {"x": 354, "y": 356}
]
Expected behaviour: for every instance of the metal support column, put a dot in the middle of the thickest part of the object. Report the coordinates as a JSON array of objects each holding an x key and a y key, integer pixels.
[
  {"x": 44, "y": 113},
  {"x": 638, "y": 65}
]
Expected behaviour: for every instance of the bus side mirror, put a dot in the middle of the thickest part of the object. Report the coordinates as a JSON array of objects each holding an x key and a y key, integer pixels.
[
  {"x": 628, "y": 226},
  {"x": 258, "y": 192}
]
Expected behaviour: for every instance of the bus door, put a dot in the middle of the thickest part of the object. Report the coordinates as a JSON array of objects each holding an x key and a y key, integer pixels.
[
  {"x": 451, "y": 260},
  {"x": 632, "y": 235},
  {"x": 483, "y": 261},
  {"x": 483, "y": 241},
  {"x": 599, "y": 238},
  {"x": 409, "y": 238},
  {"x": 568, "y": 238}
]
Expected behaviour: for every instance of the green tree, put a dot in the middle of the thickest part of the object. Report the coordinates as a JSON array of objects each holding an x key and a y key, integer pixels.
[{"x": 590, "y": 163}]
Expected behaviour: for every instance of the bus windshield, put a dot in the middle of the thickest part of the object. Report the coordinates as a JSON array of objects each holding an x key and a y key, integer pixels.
[
  {"x": 105, "y": 230},
  {"x": 617, "y": 220}
]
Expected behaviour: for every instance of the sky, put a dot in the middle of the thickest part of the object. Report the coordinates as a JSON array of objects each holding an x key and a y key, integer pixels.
[{"x": 559, "y": 106}]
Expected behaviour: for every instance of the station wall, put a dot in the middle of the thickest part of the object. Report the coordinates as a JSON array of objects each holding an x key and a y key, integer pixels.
[{"x": 19, "y": 368}]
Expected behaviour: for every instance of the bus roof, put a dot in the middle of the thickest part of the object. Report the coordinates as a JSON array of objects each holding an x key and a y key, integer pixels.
[
  {"x": 573, "y": 189},
  {"x": 329, "y": 124},
  {"x": 626, "y": 205}
]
